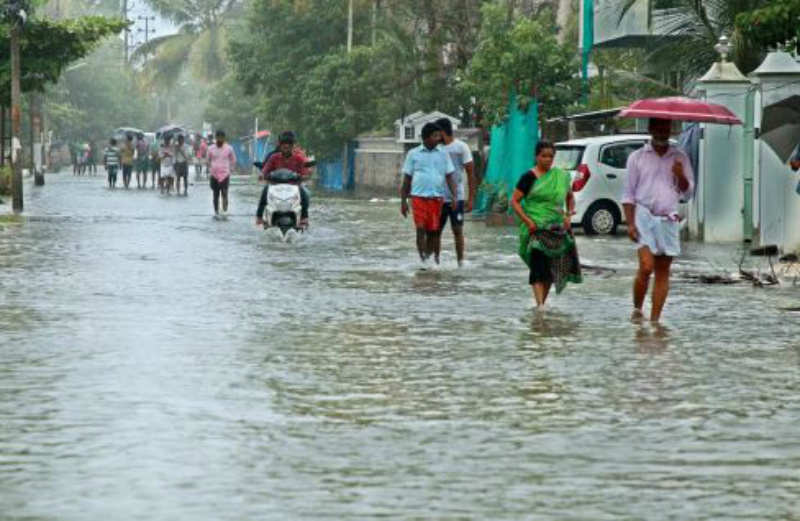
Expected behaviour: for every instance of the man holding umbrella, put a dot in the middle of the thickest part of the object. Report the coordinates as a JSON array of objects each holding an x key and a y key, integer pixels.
[{"x": 659, "y": 177}]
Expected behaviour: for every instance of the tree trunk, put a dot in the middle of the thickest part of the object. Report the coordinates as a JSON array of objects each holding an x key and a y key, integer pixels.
[
  {"x": 36, "y": 139},
  {"x": 3, "y": 115},
  {"x": 16, "y": 120}
]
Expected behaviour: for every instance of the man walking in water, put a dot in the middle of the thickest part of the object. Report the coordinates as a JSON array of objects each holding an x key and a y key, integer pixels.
[
  {"x": 221, "y": 160},
  {"x": 455, "y": 205},
  {"x": 126, "y": 155},
  {"x": 659, "y": 177},
  {"x": 426, "y": 170}
]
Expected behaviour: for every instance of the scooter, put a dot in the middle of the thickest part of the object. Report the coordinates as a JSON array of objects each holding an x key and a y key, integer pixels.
[{"x": 284, "y": 208}]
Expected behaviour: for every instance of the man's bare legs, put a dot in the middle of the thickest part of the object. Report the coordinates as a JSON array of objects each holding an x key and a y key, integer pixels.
[
  {"x": 642, "y": 280},
  {"x": 648, "y": 264},
  {"x": 434, "y": 245},
  {"x": 458, "y": 238},
  {"x": 660, "y": 286},
  {"x": 422, "y": 243}
]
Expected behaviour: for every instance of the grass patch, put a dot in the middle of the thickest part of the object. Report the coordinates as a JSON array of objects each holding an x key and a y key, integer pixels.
[{"x": 10, "y": 218}]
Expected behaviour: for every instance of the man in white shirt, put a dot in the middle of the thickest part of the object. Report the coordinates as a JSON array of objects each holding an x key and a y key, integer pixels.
[{"x": 456, "y": 205}]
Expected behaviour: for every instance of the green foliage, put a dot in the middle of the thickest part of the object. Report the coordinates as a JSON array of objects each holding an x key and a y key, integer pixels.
[
  {"x": 773, "y": 25},
  {"x": 231, "y": 109},
  {"x": 5, "y": 180},
  {"x": 342, "y": 97},
  {"x": 48, "y": 47},
  {"x": 97, "y": 96},
  {"x": 522, "y": 55},
  {"x": 199, "y": 43}
]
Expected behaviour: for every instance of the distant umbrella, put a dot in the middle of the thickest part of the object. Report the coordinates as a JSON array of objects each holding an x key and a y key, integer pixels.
[
  {"x": 170, "y": 131},
  {"x": 122, "y": 132}
]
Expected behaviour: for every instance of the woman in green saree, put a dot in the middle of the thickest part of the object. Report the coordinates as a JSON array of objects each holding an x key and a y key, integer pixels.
[{"x": 543, "y": 202}]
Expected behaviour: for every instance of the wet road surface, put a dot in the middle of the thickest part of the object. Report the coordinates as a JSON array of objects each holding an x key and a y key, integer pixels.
[{"x": 158, "y": 364}]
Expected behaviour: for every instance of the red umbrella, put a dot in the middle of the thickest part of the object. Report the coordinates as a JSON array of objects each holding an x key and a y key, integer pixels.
[{"x": 681, "y": 109}]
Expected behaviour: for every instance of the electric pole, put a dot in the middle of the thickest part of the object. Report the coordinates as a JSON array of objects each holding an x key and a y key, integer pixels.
[
  {"x": 15, "y": 12},
  {"x": 147, "y": 29},
  {"x": 350, "y": 26}
]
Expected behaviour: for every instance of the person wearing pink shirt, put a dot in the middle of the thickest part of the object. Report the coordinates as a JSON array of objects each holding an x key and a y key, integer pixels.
[
  {"x": 221, "y": 160},
  {"x": 659, "y": 177}
]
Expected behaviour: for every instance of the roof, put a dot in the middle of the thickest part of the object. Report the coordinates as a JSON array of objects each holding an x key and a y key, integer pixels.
[
  {"x": 603, "y": 140},
  {"x": 778, "y": 62},
  {"x": 423, "y": 117},
  {"x": 588, "y": 116}
]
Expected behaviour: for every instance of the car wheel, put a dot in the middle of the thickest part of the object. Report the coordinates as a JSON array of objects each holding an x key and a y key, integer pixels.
[{"x": 601, "y": 219}]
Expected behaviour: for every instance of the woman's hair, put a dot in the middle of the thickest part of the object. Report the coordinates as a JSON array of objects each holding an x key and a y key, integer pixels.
[{"x": 542, "y": 145}]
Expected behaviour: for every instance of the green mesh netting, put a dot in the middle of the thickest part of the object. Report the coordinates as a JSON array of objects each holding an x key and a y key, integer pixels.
[{"x": 511, "y": 154}]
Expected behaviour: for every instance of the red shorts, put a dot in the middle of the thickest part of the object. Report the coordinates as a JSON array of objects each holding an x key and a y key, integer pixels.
[{"x": 427, "y": 213}]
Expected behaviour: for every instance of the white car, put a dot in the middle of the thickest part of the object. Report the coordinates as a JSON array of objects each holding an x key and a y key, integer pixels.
[{"x": 597, "y": 165}]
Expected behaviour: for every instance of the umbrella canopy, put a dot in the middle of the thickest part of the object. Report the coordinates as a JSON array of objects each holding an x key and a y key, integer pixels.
[
  {"x": 780, "y": 126},
  {"x": 124, "y": 131},
  {"x": 170, "y": 130},
  {"x": 680, "y": 109}
]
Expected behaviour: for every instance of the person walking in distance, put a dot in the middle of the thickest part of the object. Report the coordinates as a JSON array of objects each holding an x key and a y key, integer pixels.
[
  {"x": 426, "y": 170},
  {"x": 142, "y": 160},
  {"x": 456, "y": 205},
  {"x": 659, "y": 177},
  {"x": 182, "y": 155},
  {"x": 111, "y": 160},
  {"x": 221, "y": 161},
  {"x": 126, "y": 155}
]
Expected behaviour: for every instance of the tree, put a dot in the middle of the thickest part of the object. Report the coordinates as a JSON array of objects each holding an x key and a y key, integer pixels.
[
  {"x": 522, "y": 55},
  {"x": 771, "y": 26},
  {"x": 96, "y": 96},
  {"x": 199, "y": 43},
  {"x": 50, "y": 46},
  {"x": 691, "y": 28}
]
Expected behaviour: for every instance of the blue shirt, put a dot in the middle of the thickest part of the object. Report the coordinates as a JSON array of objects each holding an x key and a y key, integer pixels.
[{"x": 427, "y": 170}]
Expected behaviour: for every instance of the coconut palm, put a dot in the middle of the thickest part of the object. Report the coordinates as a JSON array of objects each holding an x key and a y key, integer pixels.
[
  {"x": 199, "y": 43},
  {"x": 691, "y": 28}
]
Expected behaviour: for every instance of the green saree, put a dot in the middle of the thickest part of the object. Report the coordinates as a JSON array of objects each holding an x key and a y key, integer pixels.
[{"x": 545, "y": 205}]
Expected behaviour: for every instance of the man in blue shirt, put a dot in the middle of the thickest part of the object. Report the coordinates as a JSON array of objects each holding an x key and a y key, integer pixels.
[{"x": 426, "y": 170}]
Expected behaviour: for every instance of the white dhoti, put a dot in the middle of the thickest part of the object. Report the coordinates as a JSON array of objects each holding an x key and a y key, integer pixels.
[{"x": 661, "y": 234}]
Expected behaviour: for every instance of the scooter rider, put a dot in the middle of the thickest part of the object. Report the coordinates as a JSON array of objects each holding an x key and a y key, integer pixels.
[{"x": 289, "y": 158}]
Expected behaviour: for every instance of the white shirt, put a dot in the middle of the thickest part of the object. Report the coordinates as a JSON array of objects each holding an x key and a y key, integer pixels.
[{"x": 460, "y": 155}]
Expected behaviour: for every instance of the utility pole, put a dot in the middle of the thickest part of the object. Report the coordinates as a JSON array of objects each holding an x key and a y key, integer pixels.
[
  {"x": 17, "y": 14},
  {"x": 350, "y": 26},
  {"x": 147, "y": 29}
]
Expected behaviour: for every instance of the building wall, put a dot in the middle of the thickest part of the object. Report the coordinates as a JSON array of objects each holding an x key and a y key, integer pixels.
[{"x": 379, "y": 160}]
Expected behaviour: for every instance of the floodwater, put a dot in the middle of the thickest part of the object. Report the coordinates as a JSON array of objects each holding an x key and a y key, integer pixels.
[{"x": 156, "y": 364}]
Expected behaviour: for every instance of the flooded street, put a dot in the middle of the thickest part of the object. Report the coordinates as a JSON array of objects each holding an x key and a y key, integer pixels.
[{"x": 157, "y": 364}]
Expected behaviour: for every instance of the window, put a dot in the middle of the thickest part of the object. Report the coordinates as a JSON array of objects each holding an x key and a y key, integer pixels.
[
  {"x": 568, "y": 157},
  {"x": 409, "y": 133},
  {"x": 616, "y": 156}
]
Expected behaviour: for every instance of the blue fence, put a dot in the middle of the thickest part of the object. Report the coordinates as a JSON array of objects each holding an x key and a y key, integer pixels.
[
  {"x": 333, "y": 175},
  {"x": 242, "y": 151}
]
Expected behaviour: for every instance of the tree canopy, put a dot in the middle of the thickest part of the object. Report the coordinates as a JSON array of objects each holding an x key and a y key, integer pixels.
[
  {"x": 773, "y": 25},
  {"x": 49, "y": 46}
]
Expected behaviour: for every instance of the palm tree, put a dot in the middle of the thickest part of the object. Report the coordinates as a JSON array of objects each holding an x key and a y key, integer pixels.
[
  {"x": 199, "y": 43},
  {"x": 691, "y": 28}
]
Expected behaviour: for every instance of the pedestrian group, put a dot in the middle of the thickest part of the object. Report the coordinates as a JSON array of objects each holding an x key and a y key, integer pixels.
[
  {"x": 659, "y": 177},
  {"x": 168, "y": 161}
]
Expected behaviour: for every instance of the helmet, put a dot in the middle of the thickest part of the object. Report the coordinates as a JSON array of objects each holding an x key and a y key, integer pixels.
[{"x": 287, "y": 137}]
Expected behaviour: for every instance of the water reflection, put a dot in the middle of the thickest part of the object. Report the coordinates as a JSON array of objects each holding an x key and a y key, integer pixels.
[{"x": 651, "y": 338}]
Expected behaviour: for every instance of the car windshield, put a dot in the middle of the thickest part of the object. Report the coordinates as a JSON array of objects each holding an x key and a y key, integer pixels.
[{"x": 568, "y": 157}]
